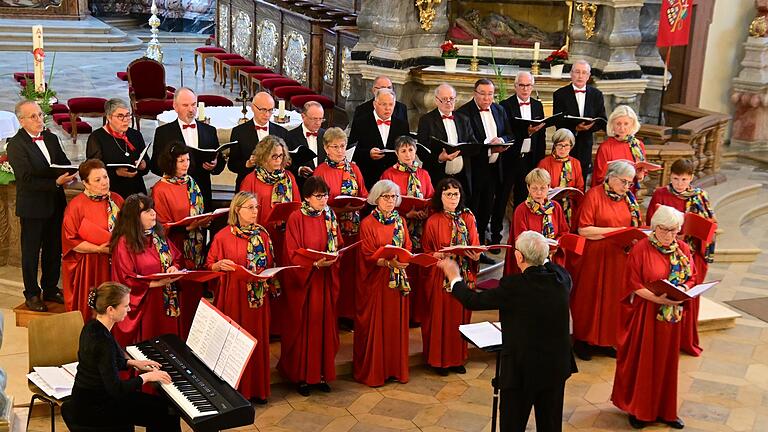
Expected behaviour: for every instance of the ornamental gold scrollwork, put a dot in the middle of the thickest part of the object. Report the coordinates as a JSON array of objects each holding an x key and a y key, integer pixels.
[
  {"x": 268, "y": 39},
  {"x": 242, "y": 32},
  {"x": 346, "y": 82},
  {"x": 759, "y": 26},
  {"x": 294, "y": 59},
  {"x": 427, "y": 12},
  {"x": 224, "y": 26},
  {"x": 588, "y": 14},
  {"x": 330, "y": 64}
]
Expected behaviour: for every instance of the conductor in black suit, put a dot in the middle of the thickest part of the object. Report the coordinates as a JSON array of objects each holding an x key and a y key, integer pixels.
[
  {"x": 536, "y": 357},
  {"x": 374, "y": 131},
  {"x": 580, "y": 100},
  {"x": 250, "y": 133},
  {"x": 40, "y": 203},
  {"x": 382, "y": 82},
  {"x": 309, "y": 135},
  {"x": 530, "y": 144},
  {"x": 196, "y": 135},
  {"x": 449, "y": 126}
]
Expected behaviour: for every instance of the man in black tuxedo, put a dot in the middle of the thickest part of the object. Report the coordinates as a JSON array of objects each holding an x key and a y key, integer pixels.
[
  {"x": 490, "y": 126},
  {"x": 449, "y": 126},
  {"x": 373, "y": 132},
  {"x": 196, "y": 135},
  {"x": 40, "y": 203},
  {"x": 382, "y": 82},
  {"x": 536, "y": 356},
  {"x": 250, "y": 133},
  {"x": 530, "y": 141},
  {"x": 580, "y": 100},
  {"x": 309, "y": 135}
]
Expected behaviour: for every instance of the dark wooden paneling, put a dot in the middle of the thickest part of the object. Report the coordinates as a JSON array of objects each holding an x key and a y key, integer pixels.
[{"x": 69, "y": 9}]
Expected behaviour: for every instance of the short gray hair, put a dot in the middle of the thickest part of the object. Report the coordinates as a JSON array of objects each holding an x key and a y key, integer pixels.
[
  {"x": 620, "y": 168},
  {"x": 310, "y": 104},
  {"x": 180, "y": 90},
  {"x": 380, "y": 188},
  {"x": 384, "y": 91},
  {"x": 583, "y": 62},
  {"x": 563, "y": 134},
  {"x": 622, "y": 111},
  {"x": 667, "y": 216},
  {"x": 445, "y": 85},
  {"x": 533, "y": 246},
  {"x": 521, "y": 73},
  {"x": 21, "y": 104},
  {"x": 113, "y": 105}
]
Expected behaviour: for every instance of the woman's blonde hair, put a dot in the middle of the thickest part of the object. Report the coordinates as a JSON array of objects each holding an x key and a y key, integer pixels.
[
  {"x": 334, "y": 134},
  {"x": 238, "y": 201},
  {"x": 538, "y": 176},
  {"x": 264, "y": 148},
  {"x": 622, "y": 111}
]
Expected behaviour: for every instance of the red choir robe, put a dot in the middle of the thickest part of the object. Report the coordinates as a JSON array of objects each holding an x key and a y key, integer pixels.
[
  {"x": 147, "y": 317},
  {"x": 380, "y": 342},
  {"x": 555, "y": 168},
  {"x": 82, "y": 271},
  {"x": 526, "y": 220},
  {"x": 263, "y": 194},
  {"x": 443, "y": 345},
  {"x": 689, "y": 338},
  {"x": 598, "y": 275},
  {"x": 645, "y": 383},
  {"x": 172, "y": 205},
  {"x": 232, "y": 300},
  {"x": 310, "y": 339},
  {"x": 345, "y": 307},
  {"x": 400, "y": 178},
  {"x": 610, "y": 150}
]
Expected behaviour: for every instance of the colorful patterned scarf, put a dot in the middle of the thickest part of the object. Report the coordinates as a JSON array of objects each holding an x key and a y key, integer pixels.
[
  {"x": 566, "y": 175},
  {"x": 697, "y": 202},
  {"x": 634, "y": 147},
  {"x": 193, "y": 244},
  {"x": 460, "y": 237},
  {"x": 112, "y": 208},
  {"x": 629, "y": 197},
  {"x": 414, "y": 184},
  {"x": 257, "y": 260},
  {"x": 282, "y": 185},
  {"x": 397, "y": 277},
  {"x": 170, "y": 291},
  {"x": 349, "y": 221},
  {"x": 331, "y": 226},
  {"x": 679, "y": 273},
  {"x": 545, "y": 211}
]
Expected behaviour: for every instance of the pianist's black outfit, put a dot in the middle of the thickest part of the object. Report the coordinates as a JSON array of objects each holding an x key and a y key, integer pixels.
[
  {"x": 101, "y": 398},
  {"x": 536, "y": 356}
]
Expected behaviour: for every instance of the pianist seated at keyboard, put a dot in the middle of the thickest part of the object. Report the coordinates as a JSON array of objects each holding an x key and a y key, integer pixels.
[{"x": 99, "y": 397}]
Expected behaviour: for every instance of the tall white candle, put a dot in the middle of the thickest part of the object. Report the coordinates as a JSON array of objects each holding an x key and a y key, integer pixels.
[
  {"x": 38, "y": 57},
  {"x": 474, "y": 47},
  {"x": 201, "y": 111},
  {"x": 536, "y": 47},
  {"x": 281, "y": 109}
]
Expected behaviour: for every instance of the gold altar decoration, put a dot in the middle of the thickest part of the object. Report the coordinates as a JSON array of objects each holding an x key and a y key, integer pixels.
[
  {"x": 294, "y": 59},
  {"x": 588, "y": 13},
  {"x": 329, "y": 64},
  {"x": 427, "y": 12},
  {"x": 759, "y": 26},
  {"x": 224, "y": 26},
  {"x": 267, "y": 38},
  {"x": 242, "y": 32}
]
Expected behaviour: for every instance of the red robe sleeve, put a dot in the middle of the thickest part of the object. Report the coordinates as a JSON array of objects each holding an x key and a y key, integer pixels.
[
  {"x": 363, "y": 192},
  {"x": 520, "y": 221}
]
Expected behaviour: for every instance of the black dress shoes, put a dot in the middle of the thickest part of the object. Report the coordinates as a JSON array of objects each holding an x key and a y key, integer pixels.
[
  {"x": 54, "y": 297},
  {"x": 582, "y": 350},
  {"x": 323, "y": 387},
  {"x": 258, "y": 401},
  {"x": 35, "y": 304},
  {"x": 635, "y": 423},
  {"x": 676, "y": 423},
  {"x": 303, "y": 389},
  {"x": 441, "y": 371},
  {"x": 485, "y": 259},
  {"x": 458, "y": 369}
]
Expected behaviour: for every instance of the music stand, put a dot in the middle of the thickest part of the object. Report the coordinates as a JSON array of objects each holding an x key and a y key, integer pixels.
[{"x": 495, "y": 380}]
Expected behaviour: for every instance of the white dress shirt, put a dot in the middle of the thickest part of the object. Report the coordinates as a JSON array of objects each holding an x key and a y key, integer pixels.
[
  {"x": 189, "y": 134},
  {"x": 383, "y": 129},
  {"x": 259, "y": 132},
  {"x": 311, "y": 141},
  {"x": 581, "y": 99},
  {"x": 489, "y": 124},
  {"x": 525, "y": 112},
  {"x": 452, "y": 166},
  {"x": 41, "y": 145}
]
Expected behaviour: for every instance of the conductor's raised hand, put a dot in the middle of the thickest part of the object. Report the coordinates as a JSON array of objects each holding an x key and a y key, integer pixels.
[{"x": 450, "y": 268}]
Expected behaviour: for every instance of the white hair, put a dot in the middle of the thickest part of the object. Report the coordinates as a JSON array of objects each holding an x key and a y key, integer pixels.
[
  {"x": 522, "y": 73},
  {"x": 380, "y": 188},
  {"x": 622, "y": 111},
  {"x": 583, "y": 62},
  {"x": 442, "y": 86},
  {"x": 619, "y": 168},
  {"x": 533, "y": 246},
  {"x": 384, "y": 91},
  {"x": 667, "y": 216}
]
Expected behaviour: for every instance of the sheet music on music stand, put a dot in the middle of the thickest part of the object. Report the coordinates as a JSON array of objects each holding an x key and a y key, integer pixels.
[{"x": 220, "y": 343}]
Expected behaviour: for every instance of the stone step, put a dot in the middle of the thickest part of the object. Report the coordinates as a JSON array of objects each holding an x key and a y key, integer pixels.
[
  {"x": 172, "y": 37},
  {"x": 732, "y": 244},
  {"x": 88, "y": 34},
  {"x": 130, "y": 44},
  {"x": 25, "y": 38},
  {"x": 88, "y": 25},
  {"x": 714, "y": 316}
]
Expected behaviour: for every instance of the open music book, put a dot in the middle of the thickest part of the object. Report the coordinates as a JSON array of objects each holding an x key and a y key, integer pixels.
[
  {"x": 548, "y": 121},
  {"x": 673, "y": 292},
  {"x": 56, "y": 381},
  {"x": 213, "y": 153},
  {"x": 483, "y": 334},
  {"x": 317, "y": 255},
  {"x": 403, "y": 256},
  {"x": 220, "y": 343},
  {"x": 189, "y": 219},
  {"x": 133, "y": 166}
]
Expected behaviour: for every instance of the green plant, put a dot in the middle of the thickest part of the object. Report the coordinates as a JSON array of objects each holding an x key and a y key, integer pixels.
[
  {"x": 44, "y": 98},
  {"x": 502, "y": 91}
]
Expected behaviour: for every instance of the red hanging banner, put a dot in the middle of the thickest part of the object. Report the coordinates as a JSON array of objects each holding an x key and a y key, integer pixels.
[{"x": 674, "y": 23}]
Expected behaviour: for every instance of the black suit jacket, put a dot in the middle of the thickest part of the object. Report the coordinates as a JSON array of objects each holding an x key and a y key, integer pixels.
[
  {"x": 169, "y": 133},
  {"x": 431, "y": 125},
  {"x": 400, "y": 111},
  {"x": 296, "y": 138},
  {"x": 520, "y": 129},
  {"x": 503, "y": 131},
  {"x": 533, "y": 309},
  {"x": 247, "y": 138},
  {"x": 365, "y": 133},
  {"x": 564, "y": 101},
  {"x": 37, "y": 194}
]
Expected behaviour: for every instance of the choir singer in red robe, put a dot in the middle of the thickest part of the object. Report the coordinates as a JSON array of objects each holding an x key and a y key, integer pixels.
[
  {"x": 139, "y": 247},
  {"x": 620, "y": 144},
  {"x": 343, "y": 177},
  {"x": 564, "y": 170},
  {"x": 680, "y": 195},
  {"x": 310, "y": 340},
  {"x": 452, "y": 224},
  {"x": 244, "y": 242},
  {"x": 598, "y": 274},
  {"x": 645, "y": 384},
  {"x": 380, "y": 350},
  {"x": 84, "y": 264},
  {"x": 537, "y": 213}
]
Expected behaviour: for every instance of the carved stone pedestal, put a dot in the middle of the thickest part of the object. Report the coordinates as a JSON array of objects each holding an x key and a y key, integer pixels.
[
  {"x": 10, "y": 252},
  {"x": 750, "y": 96}
]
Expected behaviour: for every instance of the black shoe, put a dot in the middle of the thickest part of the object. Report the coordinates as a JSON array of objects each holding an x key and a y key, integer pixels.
[
  {"x": 441, "y": 371},
  {"x": 485, "y": 259},
  {"x": 259, "y": 401},
  {"x": 346, "y": 324},
  {"x": 303, "y": 389},
  {"x": 635, "y": 423},
  {"x": 35, "y": 304},
  {"x": 675, "y": 424},
  {"x": 54, "y": 297},
  {"x": 458, "y": 369},
  {"x": 609, "y": 352},
  {"x": 582, "y": 350},
  {"x": 323, "y": 387}
]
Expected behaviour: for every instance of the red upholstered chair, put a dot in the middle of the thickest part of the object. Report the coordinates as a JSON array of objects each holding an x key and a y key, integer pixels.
[
  {"x": 272, "y": 83},
  {"x": 73, "y": 128},
  {"x": 60, "y": 118},
  {"x": 146, "y": 89},
  {"x": 326, "y": 102},
  {"x": 287, "y": 92},
  {"x": 18, "y": 76},
  {"x": 244, "y": 75},
  {"x": 256, "y": 79},
  {"x": 204, "y": 52},
  {"x": 217, "y": 59},
  {"x": 122, "y": 76},
  {"x": 59, "y": 108},
  {"x": 215, "y": 100},
  {"x": 229, "y": 69},
  {"x": 86, "y": 107}
]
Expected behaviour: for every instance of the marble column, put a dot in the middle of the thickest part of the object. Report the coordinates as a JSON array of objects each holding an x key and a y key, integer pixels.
[
  {"x": 750, "y": 96},
  {"x": 650, "y": 61}
]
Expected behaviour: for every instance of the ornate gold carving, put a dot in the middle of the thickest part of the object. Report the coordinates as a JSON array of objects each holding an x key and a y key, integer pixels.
[
  {"x": 759, "y": 26},
  {"x": 346, "y": 83},
  {"x": 427, "y": 12},
  {"x": 242, "y": 32},
  {"x": 295, "y": 56},
  {"x": 224, "y": 26},
  {"x": 588, "y": 13},
  {"x": 330, "y": 64},
  {"x": 268, "y": 39}
]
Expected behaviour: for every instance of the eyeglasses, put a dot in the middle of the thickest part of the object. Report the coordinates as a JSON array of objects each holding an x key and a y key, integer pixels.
[
  {"x": 451, "y": 194},
  {"x": 320, "y": 195},
  {"x": 624, "y": 181},
  {"x": 389, "y": 197},
  {"x": 264, "y": 110},
  {"x": 35, "y": 116},
  {"x": 250, "y": 207},
  {"x": 485, "y": 94},
  {"x": 524, "y": 85},
  {"x": 277, "y": 157},
  {"x": 563, "y": 145},
  {"x": 674, "y": 230},
  {"x": 538, "y": 188},
  {"x": 315, "y": 119},
  {"x": 446, "y": 100},
  {"x": 337, "y": 147},
  {"x": 122, "y": 117}
]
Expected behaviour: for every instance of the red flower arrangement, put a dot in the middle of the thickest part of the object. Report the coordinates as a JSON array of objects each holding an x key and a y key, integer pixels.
[
  {"x": 449, "y": 50},
  {"x": 557, "y": 57}
]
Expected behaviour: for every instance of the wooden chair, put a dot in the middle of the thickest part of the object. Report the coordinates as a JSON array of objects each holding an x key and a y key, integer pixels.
[
  {"x": 204, "y": 52},
  {"x": 53, "y": 341}
]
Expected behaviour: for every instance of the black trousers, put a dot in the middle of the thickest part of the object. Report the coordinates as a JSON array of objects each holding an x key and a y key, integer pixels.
[
  {"x": 135, "y": 408},
  {"x": 515, "y": 408},
  {"x": 41, "y": 243},
  {"x": 513, "y": 183},
  {"x": 486, "y": 189},
  {"x": 583, "y": 152}
]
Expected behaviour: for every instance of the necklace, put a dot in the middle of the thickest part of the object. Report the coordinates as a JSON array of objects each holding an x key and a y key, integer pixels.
[{"x": 118, "y": 146}]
